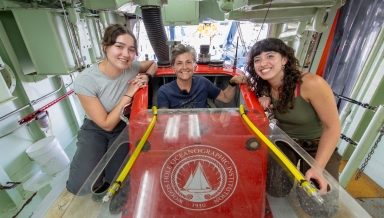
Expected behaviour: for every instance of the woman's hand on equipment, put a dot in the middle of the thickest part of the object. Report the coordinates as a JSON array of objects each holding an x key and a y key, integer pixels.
[
  {"x": 265, "y": 102},
  {"x": 140, "y": 80},
  {"x": 323, "y": 184},
  {"x": 132, "y": 88},
  {"x": 239, "y": 79}
]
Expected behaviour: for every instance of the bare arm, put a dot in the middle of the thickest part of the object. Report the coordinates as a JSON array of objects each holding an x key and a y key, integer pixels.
[
  {"x": 149, "y": 67},
  {"x": 319, "y": 94},
  {"x": 227, "y": 95},
  {"x": 97, "y": 113},
  {"x": 239, "y": 79},
  {"x": 265, "y": 102}
]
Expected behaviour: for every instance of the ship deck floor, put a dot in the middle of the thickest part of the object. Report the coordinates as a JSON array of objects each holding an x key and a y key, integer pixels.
[{"x": 366, "y": 192}]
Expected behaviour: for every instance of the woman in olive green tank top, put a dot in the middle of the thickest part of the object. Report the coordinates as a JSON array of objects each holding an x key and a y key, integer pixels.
[{"x": 303, "y": 104}]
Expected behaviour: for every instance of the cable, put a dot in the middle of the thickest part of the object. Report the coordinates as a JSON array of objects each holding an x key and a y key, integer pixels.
[
  {"x": 34, "y": 137},
  {"x": 50, "y": 124},
  {"x": 257, "y": 39}
]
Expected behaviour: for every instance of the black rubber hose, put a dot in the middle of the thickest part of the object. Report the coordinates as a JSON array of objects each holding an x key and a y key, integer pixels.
[{"x": 153, "y": 23}]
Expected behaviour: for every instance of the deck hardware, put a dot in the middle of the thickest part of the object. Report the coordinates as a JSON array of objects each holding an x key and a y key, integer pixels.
[
  {"x": 253, "y": 144},
  {"x": 364, "y": 105},
  {"x": 146, "y": 147},
  {"x": 14, "y": 184},
  {"x": 349, "y": 140},
  {"x": 358, "y": 174}
]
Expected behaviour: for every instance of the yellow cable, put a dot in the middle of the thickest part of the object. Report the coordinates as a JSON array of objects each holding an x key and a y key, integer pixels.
[
  {"x": 124, "y": 173},
  {"x": 296, "y": 173}
]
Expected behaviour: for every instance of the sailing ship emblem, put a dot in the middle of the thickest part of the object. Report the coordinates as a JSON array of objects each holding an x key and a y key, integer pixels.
[
  {"x": 198, "y": 177},
  {"x": 198, "y": 182}
]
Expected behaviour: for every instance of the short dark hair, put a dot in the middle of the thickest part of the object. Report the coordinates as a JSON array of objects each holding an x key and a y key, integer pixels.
[
  {"x": 181, "y": 49},
  {"x": 292, "y": 73},
  {"x": 113, "y": 31}
]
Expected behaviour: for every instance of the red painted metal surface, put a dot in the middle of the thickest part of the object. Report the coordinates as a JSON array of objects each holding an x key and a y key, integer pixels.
[
  {"x": 33, "y": 115},
  {"x": 204, "y": 147},
  {"x": 140, "y": 101}
]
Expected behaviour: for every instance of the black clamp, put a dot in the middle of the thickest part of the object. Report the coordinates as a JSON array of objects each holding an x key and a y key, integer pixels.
[{"x": 14, "y": 184}]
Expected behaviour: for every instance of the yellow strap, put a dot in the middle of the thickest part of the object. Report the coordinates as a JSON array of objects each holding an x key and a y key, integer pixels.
[
  {"x": 132, "y": 159},
  {"x": 296, "y": 173},
  {"x": 124, "y": 173}
]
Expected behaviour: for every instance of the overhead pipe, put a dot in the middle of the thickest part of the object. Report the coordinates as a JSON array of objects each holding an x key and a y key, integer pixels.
[
  {"x": 153, "y": 23},
  {"x": 362, "y": 147}
]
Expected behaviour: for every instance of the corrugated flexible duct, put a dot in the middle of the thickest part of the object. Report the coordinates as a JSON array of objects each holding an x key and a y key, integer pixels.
[{"x": 155, "y": 30}]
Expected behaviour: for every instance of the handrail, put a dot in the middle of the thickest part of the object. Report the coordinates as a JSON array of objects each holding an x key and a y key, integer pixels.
[
  {"x": 33, "y": 102},
  {"x": 124, "y": 173},
  {"x": 311, "y": 191},
  {"x": 15, "y": 129}
]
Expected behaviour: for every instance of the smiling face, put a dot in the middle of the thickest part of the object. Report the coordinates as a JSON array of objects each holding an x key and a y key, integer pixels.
[
  {"x": 121, "y": 54},
  {"x": 184, "y": 66},
  {"x": 269, "y": 65}
]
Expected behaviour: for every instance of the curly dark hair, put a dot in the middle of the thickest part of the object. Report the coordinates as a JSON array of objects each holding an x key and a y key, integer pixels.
[
  {"x": 113, "y": 31},
  {"x": 292, "y": 73}
]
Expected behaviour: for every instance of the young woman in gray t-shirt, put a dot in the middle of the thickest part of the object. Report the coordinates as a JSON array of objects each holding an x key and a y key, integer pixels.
[{"x": 103, "y": 90}]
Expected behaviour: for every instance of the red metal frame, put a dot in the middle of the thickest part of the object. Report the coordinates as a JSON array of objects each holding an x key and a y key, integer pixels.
[
  {"x": 140, "y": 101},
  {"x": 204, "y": 69},
  {"x": 33, "y": 115}
]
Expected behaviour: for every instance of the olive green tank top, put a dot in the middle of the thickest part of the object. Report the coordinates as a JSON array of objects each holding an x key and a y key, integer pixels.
[{"x": 301, "y": 122}]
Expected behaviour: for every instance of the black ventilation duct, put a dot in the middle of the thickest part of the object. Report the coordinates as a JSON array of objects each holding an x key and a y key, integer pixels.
[{"x": 153, "y": 23}]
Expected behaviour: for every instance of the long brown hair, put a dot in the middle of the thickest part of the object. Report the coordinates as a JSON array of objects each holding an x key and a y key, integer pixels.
[
  {"x": 113, "y": 31},
  {"x": 291, "y": 72}
]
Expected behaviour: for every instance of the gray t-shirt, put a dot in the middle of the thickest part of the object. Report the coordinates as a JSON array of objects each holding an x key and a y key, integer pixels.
[{"x": 92, "y": 82}]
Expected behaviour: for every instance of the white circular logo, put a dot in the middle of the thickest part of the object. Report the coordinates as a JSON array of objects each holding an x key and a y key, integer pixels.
[{"x": 198, "y": 177}]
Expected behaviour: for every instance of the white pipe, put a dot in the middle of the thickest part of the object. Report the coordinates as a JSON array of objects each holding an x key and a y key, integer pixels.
[
  {"x": 225, "y": 5},
  {"x": 301, "y": 28},
  {"x": 318, "y": 23},
  {"x": 363, "y": 146},
  {"x": 291, "y": 34}
]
